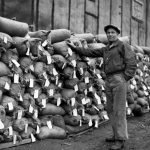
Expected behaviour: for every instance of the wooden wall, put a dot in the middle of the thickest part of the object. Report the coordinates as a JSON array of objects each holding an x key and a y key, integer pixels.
[{"x": 82, "y": 16}]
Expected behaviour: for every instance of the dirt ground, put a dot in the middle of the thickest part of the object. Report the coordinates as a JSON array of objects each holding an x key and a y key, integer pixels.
[{"x": 139, "y": 138}]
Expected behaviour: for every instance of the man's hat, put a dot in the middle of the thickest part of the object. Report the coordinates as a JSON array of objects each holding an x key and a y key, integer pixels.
[{"x": 111, "y": 26}]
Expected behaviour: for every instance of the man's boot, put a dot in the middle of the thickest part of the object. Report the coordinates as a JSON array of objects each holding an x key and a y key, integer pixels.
[{"x": 118, "y": 145}]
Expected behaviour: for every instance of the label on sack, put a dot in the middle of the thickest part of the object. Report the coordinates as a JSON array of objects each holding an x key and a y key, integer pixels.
[
  {"x": 129, "y": 111},
  {"x": 56, "y": 81},
  {"x": 85, "y": 91},
  {"x": 146, "y": 93},
  {"x": 35, "y": 115},
  {"x": 20, "y": 98},
  {"x": 43, "y": 103},
  {"x": 74, "y": 74},
  {"x": 90, "y": 123},
  {"x": 99, "y": 76},
  {"x": 49, "y": 124},
  {"x": 91, "y": 89},
  {"x": 28, "y": 51},
  {"x": 26, "y": 128},
  {"x": 58, "y": 101},
  {"x": 36, "y": 93},
  {"x": 19, "y": 114},
  {"x": 70, "y": 51},
  {"x": 44, "y": 43},
  {"x": 47, "y": 83},
  {"x": 131, "y": 86},
  {"x": 87, "y": 80},
  {"x": 16, "y": 78},
  {"x": 102, "y": 87},
  {"x": 83, "y": 112},
  {"x": 83, "y": 101},
  {"x": 10, "y": 130},
  {"x": 73, "y": 100},
  {"x": 81, "y": 71},
  {"x": 76, "y": 88},
  {"x": 40, "y": 47},
  {"x": 31, "y": 109},
  {"x": 55, "y": 72},
  {"x": 88, "y": 100},
  {"x": 127, "y": 104},
  {"x": 98, "y": 98},
  {"x": 106, "y": 116},
  {"x": 49, "y": 59},
  {"x": 32, "y": 68},
  {"x": 15, "y": 63},
  {"x": 96, "y": 123},
  {"x": 7, "y": 86},
  {"x": 60, "y": 84},
  {"x": 5, "y": 39},
  {"x": 144, "y": 87},
  {"x": 31, "y": 83},
  {"x": 133, "y": 82},
  {"x": 80, "y": 123},
  {"x": 33, "y": 139},
  {"x": 63, "y": 65},
  {"x": 14, "y": 139},
  {"x": 74, "y": 63},
  {"x": 10, "y": 106},
  {"x": 51, "y": 92},
  {"x": 37, "y": 129},
  {"x": 45, "y": 75},
  {"x": 75, "y": 112},
  {"x": 104, "y": 98},
  {"x": 1, "y": 125}
]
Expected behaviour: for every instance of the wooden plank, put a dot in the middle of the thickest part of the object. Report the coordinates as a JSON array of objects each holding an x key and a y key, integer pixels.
[
  {"x": 148, "y": 24},
  {"x": 10, "y": 144},
  {"x": 20, "y": 9},
  {"x": 104, "y": 14},
  {"x": 77, "y": 19},
  {"x": 134, "y": 32},
  {"x": 126, "y": 15},
  {"x": 90, "y": 24},
  {"x": 45, "y": 17},
  {"x": 92, "y": 7},
  {"x": 116, "y": 13},
  {"x": 142, "y": 28},
  {"x": 61, "y": 14}
]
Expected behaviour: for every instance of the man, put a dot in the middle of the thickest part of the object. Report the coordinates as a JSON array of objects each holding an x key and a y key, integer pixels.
[{"x": 119, "y": 67}]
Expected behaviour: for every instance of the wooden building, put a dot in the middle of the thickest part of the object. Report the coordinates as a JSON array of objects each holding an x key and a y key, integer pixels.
[{"x": 80, "y": 16}]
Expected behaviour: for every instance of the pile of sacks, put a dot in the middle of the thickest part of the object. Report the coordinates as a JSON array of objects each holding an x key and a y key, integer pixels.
[{"x": 48, "y": 91}]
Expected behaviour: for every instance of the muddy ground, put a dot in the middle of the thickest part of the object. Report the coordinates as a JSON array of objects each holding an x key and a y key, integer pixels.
[{"x": 139, "y": 138}]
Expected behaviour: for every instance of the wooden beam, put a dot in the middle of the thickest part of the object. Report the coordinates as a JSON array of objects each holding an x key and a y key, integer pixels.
[
  {"x": 104, "y": 16},
  {"x": 45, "y": 17},
  {"x": 116, "y": 12},
  {"x": 134, "y": 32},
  {"x": 126, "y": 14},
  {"x": 77, "y": 9},
  {"x": 61, "y": 14},
  {"x": 148, "y": 24},
  {"x": 91, "y": 7},
  {"x": 142, "y": 28}
]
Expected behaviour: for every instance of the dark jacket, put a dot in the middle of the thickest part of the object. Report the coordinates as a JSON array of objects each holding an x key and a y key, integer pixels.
[{"x": 118, "y": 58}]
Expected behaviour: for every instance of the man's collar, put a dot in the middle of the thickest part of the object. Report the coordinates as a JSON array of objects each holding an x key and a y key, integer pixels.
[{"x": 113, "y": 44}]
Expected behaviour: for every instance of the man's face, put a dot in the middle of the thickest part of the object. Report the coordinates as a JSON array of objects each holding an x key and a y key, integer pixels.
[{"x": 112, "y": 35}]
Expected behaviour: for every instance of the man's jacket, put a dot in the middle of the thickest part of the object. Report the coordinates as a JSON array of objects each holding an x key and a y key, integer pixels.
[{"x": 118, "y": 58}]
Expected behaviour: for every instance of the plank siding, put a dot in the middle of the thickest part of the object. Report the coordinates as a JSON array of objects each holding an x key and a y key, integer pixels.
[
  {"x": 134, "y": 32},
  {"x": 23, "y": 8},
  {"x": 77, "y": 16},
  {"x": 92, "y": 7},
  {"x": 142, "y": 28},
  {"x": 45, "y": 17},
  {"x": 61, "y": 14},
  {"x": 126, "y": 21},
  {"x": 104, "y": 16},
  {"x": 91, "y": 24},
  {"x": 148, "y": 24},
  {"x": 116, "y": 13}
]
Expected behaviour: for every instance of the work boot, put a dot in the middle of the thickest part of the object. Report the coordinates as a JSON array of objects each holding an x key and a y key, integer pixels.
[
  {"x": 110, "y": 139},
  {"x": 117, "y": 146}
]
